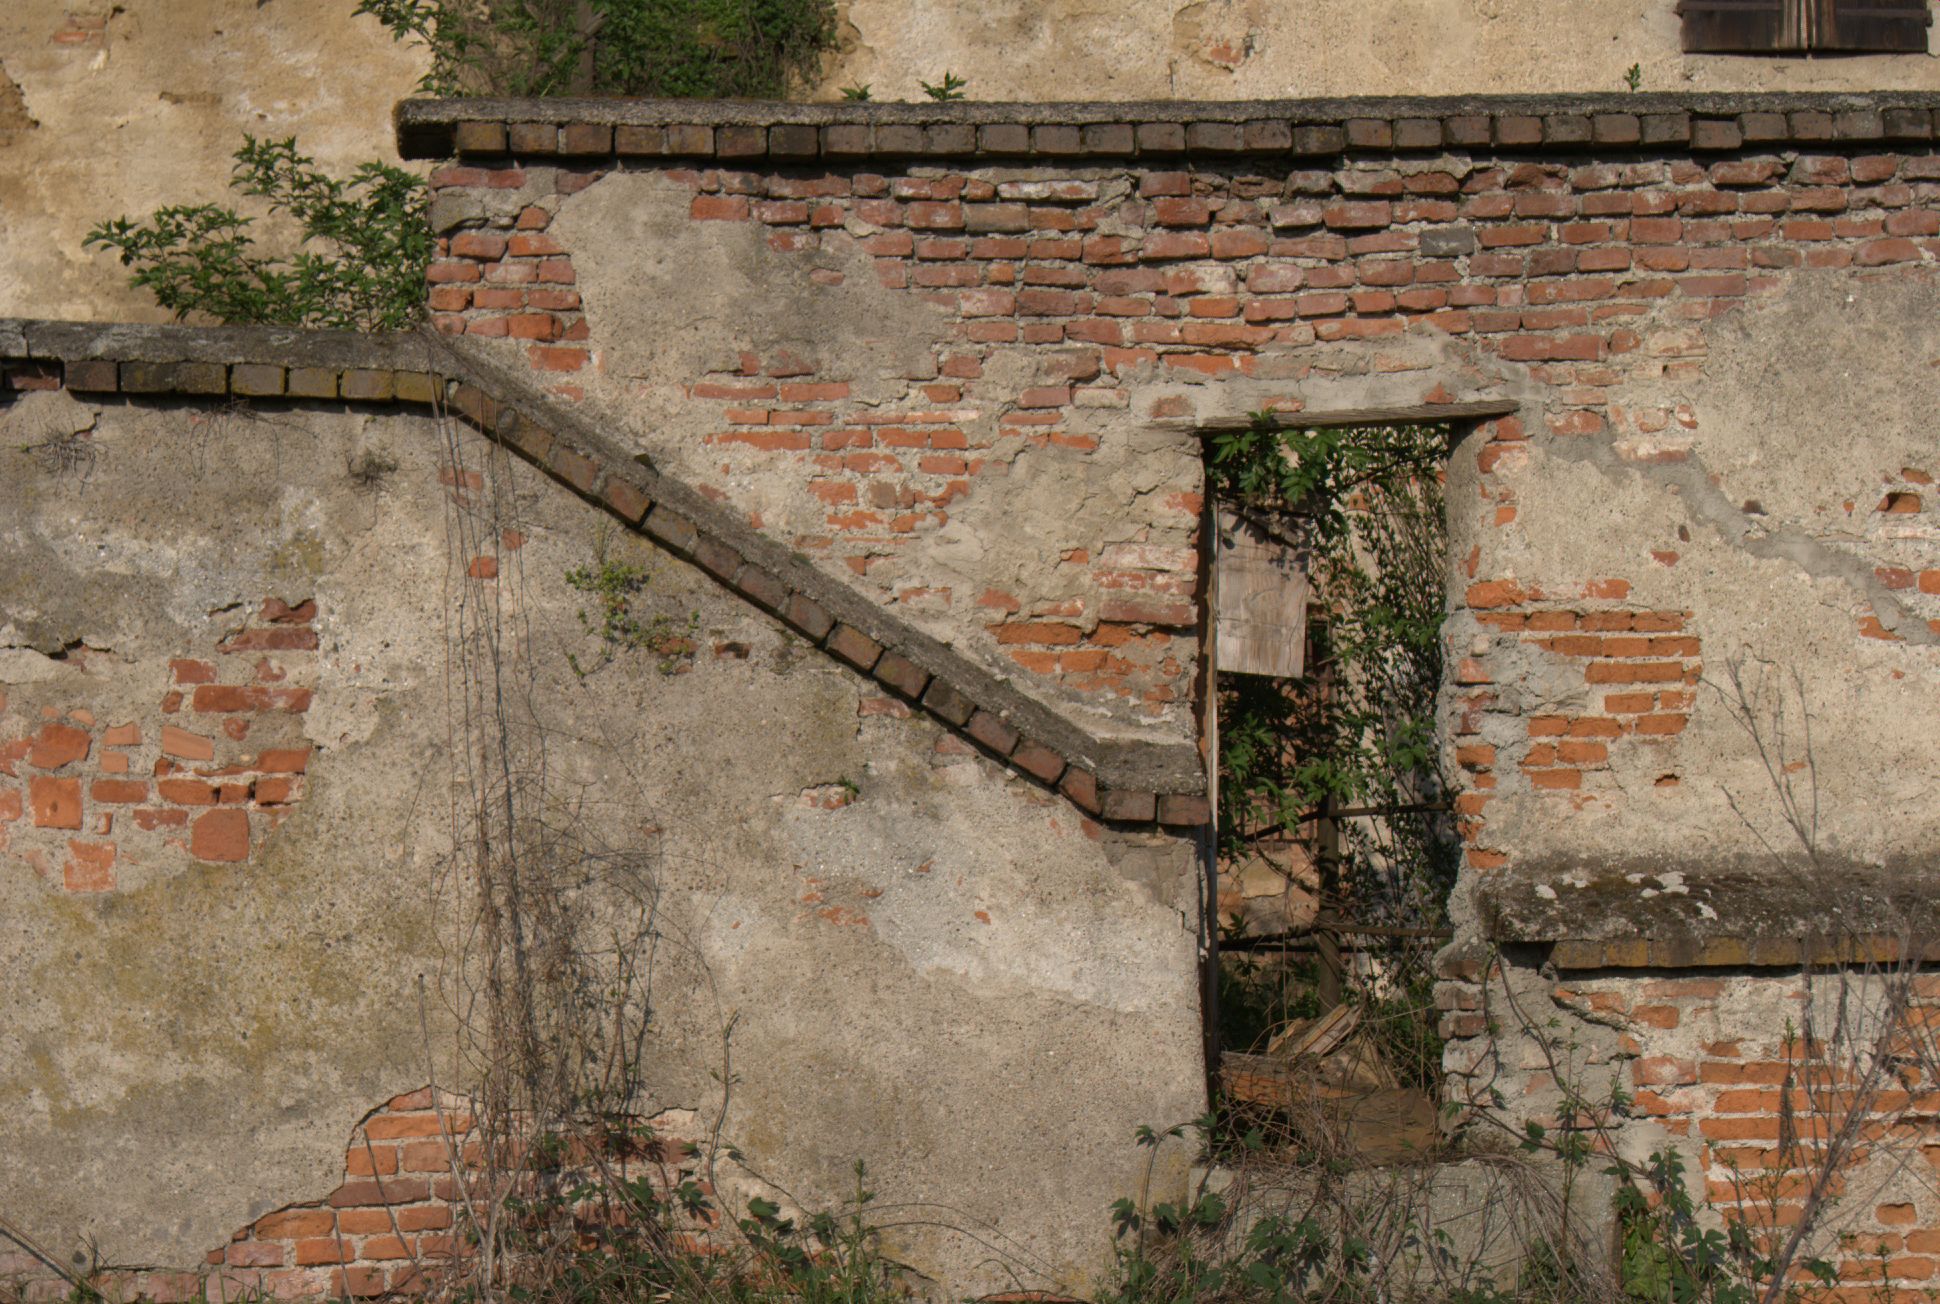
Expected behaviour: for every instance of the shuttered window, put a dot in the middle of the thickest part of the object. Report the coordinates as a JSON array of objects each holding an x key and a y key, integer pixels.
[{"x": 1802, "y": 26}]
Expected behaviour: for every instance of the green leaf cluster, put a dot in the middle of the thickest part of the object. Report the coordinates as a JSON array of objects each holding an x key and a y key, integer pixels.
[
  {"x": 595, "y": 1224},
  {"x": 1670, "y": 1257},
  {"x": 670, "y": 49},
  {"x": 1672, "y": 1249},
  {"x": 950, "y": 88},
  {"x": 613, "y": 586},
  {"x": 359, "y": 266}
]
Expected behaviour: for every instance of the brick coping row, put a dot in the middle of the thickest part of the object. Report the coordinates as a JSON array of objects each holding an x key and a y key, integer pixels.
[
  {"x": 1126, "y": 781},
  {"x": 1471, "y": 960},
  {"x": 1630, "y": 911},
  {"x": 589, "y": 131}
]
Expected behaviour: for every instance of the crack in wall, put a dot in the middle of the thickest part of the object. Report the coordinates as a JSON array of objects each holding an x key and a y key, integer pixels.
[{"x": 1705, "y": 503}]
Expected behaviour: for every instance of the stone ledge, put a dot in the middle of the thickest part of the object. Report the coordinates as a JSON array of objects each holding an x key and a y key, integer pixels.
[
  {"x": 587, "y": 132},
  {"x": 1123, "y": 781},
  {"x": 1746, "y": 912}
]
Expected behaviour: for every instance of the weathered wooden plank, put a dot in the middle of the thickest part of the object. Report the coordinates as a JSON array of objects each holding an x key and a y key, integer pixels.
[
  {"x": 1775, "y": 26},
  {"x": 1884, "y": 25},
  {"x": 1743, "y": 26},
  {"x": 1421, "y": 414},
  {"x": 1260, "y": 600}
]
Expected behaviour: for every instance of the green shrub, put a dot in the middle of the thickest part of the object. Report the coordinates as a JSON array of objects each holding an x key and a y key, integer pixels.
[
  {"x": 673, "y": 49},
  {"x": 360, "y": 266}
]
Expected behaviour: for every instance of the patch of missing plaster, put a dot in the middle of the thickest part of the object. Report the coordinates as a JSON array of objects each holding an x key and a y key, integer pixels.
[
  {"x": 76, "y": 649},
  {"x": 13, "y": 108},
  {"x": 829, "y": 796},
  {"x": 1218, "y": 34},
  {"x": 53, "y": 649},
  {"x": 1776, "y": 448}
]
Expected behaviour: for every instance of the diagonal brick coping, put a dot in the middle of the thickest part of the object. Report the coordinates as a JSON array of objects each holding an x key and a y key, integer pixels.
[
  {"x": 585, "y": 132},
  {"x": 1130, "y": 782}
]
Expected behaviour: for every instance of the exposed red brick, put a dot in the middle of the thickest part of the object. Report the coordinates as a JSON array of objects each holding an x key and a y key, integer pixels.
[
  {"x": 278, "y": 612},
  {"x": 90, "y": 866},
  {"x": 220, "y": 835},
  {"x": 57, "y": 745},
  {"x": 118, "y": 791},
  {"x": 56, "y": 803}
]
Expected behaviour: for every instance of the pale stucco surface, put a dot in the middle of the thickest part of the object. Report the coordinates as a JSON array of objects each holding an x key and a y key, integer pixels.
[
  {"x": 948, "y": 977},
  {"x": 150, "y": 114},
  {"x": 1262, "y": 49}
]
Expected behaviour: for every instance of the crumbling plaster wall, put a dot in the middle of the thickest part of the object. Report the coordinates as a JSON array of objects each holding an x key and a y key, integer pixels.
[
  {"x": 1722, "y": 463},
  {"x": 1021, "y": 510},
  {"x": 1694, "y": 503},
  {"x": 924, "y": 956},
  {"x": 1719, "y": 463},
  {"x": 112, "y": 109},
  {"x": 1715, "y": 1067},
  {"x": 1258, "y": 49},
  {"x": 907, "y": 406},
  {"x": 1782, "y": 520},
  {"x": 1753, "y": 797}
]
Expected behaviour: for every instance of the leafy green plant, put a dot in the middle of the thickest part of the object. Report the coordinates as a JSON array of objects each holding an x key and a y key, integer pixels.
[
  {"x": 1666, "y": 1254},
  {"x": 1189, "y": 1250},
  {"x": 676, "y": 49},
  {"x": 1295, "y": 1233},
  {"x": 856, "y": 94},
  {"x": 360, "y": 265},
  {"x": 950, "y": 88},
  {"x": 1633, "y": 76},
  {"x": 600, "y": 1213},
  {"x": 613, "y": 586},
  {"x": 828, "y": 1258}
]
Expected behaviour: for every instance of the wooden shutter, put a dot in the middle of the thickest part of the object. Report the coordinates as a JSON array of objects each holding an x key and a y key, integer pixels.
[
  {"x": 1884, "y": 25},
  {"x": 1260, "y": 592},
  {"x": 1741, "y": 26},
  {"x": 1782, "y": 26}
]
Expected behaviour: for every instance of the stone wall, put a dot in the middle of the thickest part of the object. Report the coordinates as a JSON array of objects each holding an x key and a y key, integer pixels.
[
  {"x": 963, "y": 903},
  {"x": 1694, "y": 581},
  {"x": 258, "y": 584},
  {"x": 111, "y": 109}
]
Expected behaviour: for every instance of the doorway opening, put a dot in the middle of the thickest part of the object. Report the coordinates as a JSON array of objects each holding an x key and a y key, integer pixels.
[{"x": 1335, "y": 838}]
